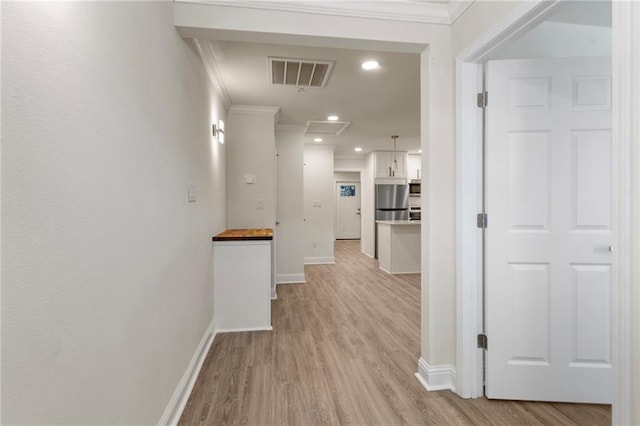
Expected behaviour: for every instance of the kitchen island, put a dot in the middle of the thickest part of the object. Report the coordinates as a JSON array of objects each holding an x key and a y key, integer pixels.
[
  {"x": 242, "y": 275},
  {"x": 399, "y": 246}
]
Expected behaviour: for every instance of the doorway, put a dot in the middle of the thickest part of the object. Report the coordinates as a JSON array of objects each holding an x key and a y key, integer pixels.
[
  {"x": 469, "y": 67},
  {"x": 348, "y": 222}
]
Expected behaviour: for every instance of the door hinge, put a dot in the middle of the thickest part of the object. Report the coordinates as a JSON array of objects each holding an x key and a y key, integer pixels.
[
  {"x": 481, "y": 220},
  {"x": 482, "y": 99},
  {"x": 482, "y": 341}
]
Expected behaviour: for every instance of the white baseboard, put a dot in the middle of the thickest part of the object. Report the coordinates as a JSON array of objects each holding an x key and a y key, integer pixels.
[
  {"x": 384, "y": 270},
  {"x": 239, "y": 330},
  {"x": 290, "y": 279},
  {"x": 436, "y": 377},
  {"x": 274, "y": 294},
  {"x": 319, "y": 260},
  {"x": 180, "y": 396},
  {"x": 399, "y": 273}
]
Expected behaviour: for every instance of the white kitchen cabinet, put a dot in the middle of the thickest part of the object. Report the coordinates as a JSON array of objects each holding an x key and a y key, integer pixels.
[
  {"x": 384, "y": 161},
  {"x": 399, "y": 246},
  {"x": 242, "y": 274},
  {"x": 414, "y": 164}
]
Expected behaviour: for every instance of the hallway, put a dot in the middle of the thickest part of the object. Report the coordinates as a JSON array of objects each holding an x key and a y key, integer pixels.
[{"x": 344, "y": 349}]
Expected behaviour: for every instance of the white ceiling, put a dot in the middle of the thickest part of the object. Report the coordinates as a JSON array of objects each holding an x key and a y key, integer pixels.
[{"x": 379, "y": 103}]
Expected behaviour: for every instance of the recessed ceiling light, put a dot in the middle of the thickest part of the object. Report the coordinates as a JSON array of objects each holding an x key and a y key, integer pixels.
[
  {"x": 370, "y": 65},
  {"x": 317, "y": 140},
  {"x": 332, "y": 118},
  {"x": 357, "y": 149}
]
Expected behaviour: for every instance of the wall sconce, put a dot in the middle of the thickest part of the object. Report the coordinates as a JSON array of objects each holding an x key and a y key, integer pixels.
[{"x": 218, "y": 131}]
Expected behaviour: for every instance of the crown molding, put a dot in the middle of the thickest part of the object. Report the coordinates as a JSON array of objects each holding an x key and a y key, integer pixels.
[
  {"x": 207, "y": 52},
  {"x": 419, "y": 11},
  {"x": 457, "y": 8}
]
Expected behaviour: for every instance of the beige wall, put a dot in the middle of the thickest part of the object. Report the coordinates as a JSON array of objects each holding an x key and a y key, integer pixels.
[
  {"x": 318, "y": 203},
  {"x": 289, "y": 204},
  {"x": 106, "y": 267},
  {"x": 251, "y": 150}
]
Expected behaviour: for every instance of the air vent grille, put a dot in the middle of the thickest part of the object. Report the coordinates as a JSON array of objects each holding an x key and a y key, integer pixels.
[
  {"x": 299, "y": 72},
  {"x": 326, "y": 127}
]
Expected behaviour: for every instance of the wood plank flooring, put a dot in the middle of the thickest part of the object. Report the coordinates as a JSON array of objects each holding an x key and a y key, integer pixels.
[{"x": 344, "y": 350}]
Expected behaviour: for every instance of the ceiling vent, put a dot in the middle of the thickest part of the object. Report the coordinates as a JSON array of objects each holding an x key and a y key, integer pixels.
[
  {"x": 326, "y": 127},
  {"x": 299, "y": 72}
]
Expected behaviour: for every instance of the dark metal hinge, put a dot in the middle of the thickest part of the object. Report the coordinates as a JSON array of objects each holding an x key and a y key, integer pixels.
[
  {"x": 481, "y": 220},
  {"x": 482, "y": 99},
  {"x": 482, "y": 341}
]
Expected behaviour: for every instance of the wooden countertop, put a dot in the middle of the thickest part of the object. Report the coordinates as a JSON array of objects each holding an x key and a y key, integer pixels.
[{"x": 245, "y": 235}]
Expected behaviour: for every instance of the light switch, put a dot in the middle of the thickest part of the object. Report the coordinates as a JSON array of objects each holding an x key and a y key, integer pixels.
[
  {"x": 249, "y": 179},
  {"x": 317, "y": 203},
  {"x": 192, "y": 192}
]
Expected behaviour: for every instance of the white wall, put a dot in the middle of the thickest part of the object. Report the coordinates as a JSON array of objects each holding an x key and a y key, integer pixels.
[
  {"x": 368, "y": 208},
  {"x": 251, "y": 149},
  {"x": 348, "y": 163},
  {"x": 318, "y": 204},
  {"x": 106, "y": 268},
  {"x": 346, "y": 176},
  {"x": 290, "y": 204},
  {"x": 438, "y": 204}
]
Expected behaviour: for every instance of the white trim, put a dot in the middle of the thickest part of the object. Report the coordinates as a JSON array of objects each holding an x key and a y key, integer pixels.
[
  {"x": 469, "y": 237},
  {"x": 457, "y": 8},
  {"x": 399, "y": 272},
  {"x": 626, "y": 68},
  {"x": 319, "y": 260},
  {"x": 291, "y": 279},
  {"x": 242, "y": 330},
  {"x": 436, "y": 377},
  {"x": 407, "y": 10},
  {"x": 207, "y": 51},
  {"x": 180, "y": 396},
  {"x": 274, "y": 294}
]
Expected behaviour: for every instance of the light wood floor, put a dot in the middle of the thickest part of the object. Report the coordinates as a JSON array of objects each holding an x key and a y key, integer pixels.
[{"x": 344, "y": 350}]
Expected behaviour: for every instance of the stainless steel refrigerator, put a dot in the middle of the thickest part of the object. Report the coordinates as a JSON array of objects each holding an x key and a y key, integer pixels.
[{"x": 392, "y": 202}]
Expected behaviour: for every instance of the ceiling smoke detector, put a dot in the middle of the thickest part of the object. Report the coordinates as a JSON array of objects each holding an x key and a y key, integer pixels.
[{"x": 299, "y": 72}]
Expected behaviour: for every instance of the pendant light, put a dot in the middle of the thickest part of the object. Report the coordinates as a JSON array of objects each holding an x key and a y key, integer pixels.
[{"x": 395, "y": 147}]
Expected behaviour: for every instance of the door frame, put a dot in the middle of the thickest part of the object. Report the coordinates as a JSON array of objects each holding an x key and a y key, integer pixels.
[{"x": 626, "y": 194}]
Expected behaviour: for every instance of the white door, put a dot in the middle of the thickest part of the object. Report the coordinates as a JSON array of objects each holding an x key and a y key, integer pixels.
[
  {"x": 548, "y": 199},
  {"x": 348, "y": 210}
]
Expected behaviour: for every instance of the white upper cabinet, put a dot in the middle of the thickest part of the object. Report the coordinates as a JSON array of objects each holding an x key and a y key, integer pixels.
[
  {"x": 385, "y": 167},
  {"x": 414, "y": 164}
]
